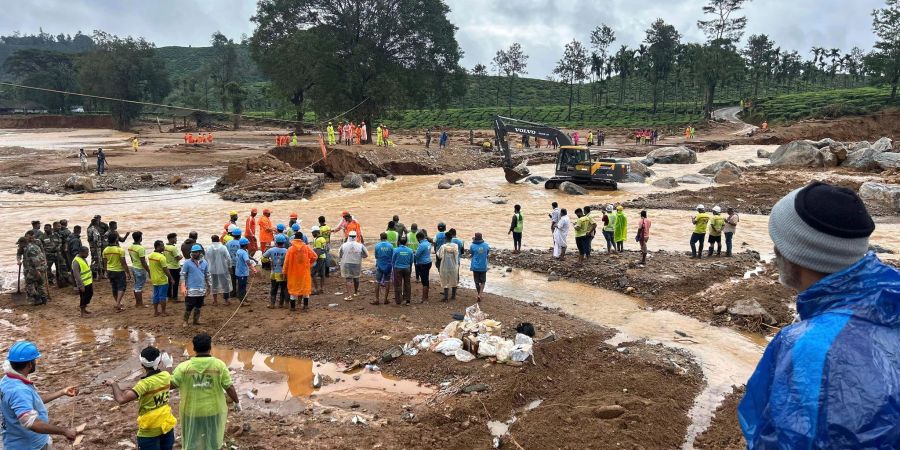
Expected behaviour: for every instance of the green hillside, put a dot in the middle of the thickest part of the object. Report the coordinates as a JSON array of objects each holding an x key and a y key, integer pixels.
[
  {"x": 820, "y": 104},
  {"x": 181, "y": 61}
]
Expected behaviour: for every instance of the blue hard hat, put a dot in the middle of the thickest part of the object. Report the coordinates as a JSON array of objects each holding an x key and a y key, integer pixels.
[
  {"x": 280, "y": 227},
  {"x": 281, "y": 239},
  {"x": 295, "y": 227},
  {"x": 23, "y": 351},
  {"x": 244, "y": 241},
  {"x": 197, "y": 248},
  {"x": 236, "y": 232}
]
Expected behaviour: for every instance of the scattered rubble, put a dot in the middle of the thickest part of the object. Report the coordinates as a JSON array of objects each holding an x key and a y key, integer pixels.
[{"x": 252, "y": 180}]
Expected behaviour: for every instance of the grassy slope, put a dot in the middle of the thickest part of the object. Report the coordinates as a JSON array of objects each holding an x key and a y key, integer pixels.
[{"x": 820, "y": 104}]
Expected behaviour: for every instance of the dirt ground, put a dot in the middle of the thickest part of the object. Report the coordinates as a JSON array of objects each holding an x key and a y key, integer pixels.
[
  {"x": 725, "y": 432},
  {"x": 674, "y": 281},
  {"x": 574, "y": 375},
  {"x": 758, "y": 189},
  {"x": 869, "y": 127}
]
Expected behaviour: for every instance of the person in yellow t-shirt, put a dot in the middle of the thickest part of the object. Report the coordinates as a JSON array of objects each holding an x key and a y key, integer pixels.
[
  {"x": 716, "y": 225},
  {"x": 160, "y": 277},
  {"x": 700, "y": 221},
  {"x": 173, "y": 256},
  {"x": 156, "y": 424},
  {"x": 320, "y": 269},
  {"x": 116, "y": 269}
]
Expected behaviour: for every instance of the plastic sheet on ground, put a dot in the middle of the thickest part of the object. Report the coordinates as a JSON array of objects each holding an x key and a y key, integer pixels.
[
  {"x": 449, "y": 346},
  {"x": 464, "y": 356}
]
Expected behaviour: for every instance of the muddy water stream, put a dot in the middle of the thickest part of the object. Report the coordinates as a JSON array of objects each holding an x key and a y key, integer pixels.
[{"x": 414, "y": 198}]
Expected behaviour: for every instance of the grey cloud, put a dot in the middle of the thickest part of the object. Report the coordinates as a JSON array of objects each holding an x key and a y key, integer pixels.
[{"x": 543, "y": 27}]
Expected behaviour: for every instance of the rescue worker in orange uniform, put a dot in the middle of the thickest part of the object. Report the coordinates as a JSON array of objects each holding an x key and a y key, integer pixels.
[
  {"x": 250, "y": 233},
  {"x": 266, "y": 230},
  {"x": 298, "y": 262}
]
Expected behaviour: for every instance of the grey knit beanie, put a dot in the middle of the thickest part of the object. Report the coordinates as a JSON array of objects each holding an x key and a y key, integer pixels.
[{"x": 821, "y": 227}]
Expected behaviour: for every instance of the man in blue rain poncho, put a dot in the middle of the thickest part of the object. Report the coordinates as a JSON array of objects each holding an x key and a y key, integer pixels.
[{"x": 832, "y": 380}]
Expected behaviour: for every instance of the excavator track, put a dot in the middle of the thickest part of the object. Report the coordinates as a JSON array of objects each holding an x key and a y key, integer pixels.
[{"x": 602, "y": 185}]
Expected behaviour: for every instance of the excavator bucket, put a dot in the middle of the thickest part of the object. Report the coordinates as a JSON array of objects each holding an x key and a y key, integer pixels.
[{"x": 514, "y": 174}]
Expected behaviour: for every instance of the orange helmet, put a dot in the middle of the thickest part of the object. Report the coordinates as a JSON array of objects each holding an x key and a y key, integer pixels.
[
  {"x": 267, "y": 211},
  {"x": 345, "y": 213},
  {"x": 293, "y": 215},
  {"x": 253, "y": 210}
]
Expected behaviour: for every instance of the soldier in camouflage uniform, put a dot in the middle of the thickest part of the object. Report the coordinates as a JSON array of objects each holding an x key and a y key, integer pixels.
[
  {"x": 95, "y": 241},
  {"x": 73, "y": 243},
  {"x": 35, "y": 268},
  {"x": 67, "y": 256},
  {"x": 52, "y": 247},
  {"x": 37, "y": 233}
]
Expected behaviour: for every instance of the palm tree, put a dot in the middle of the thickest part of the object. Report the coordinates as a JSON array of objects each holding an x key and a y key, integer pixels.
[{"x": 835, "y": 55}]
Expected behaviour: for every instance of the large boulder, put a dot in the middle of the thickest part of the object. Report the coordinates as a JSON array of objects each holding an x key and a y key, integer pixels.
[
  {"x": 888, "y": 160},
  {"x": 825, "y": 142},
  {"x": 369, "y": 177},
  {"x": 79, "y": 183},
  {"x": 883, "y": 145},
  {"x": 802, "y": 154},
  {"x": 673, "y": 155},
  {"x": 728, "y": 174},
  {"x": 881, "y": 196},
  {"x": 860, "y": 145},
  {"x": 352, "y": 181},
  {"x": 862, "y": 158},
  {"x": 536, "y": 179},
  {"x": 634, "y": 177},
  {"x": 714, "y": 168},
  {"x": 572, "y": 188},
  {"x": 445, "y": 184},
  {"x": 642, "y": 169},
  {"x": 666, "y": 183},
  {"x": 751, "y": 308},
  {"x": 694, "y": 179},
  {"x": 763, "y": 153},
  {"x": 839, "y": 151}
]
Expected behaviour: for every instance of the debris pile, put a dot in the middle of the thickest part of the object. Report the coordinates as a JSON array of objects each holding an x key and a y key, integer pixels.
[
  {"x": 265, "y": 178},
  {"x": 475, "y": 336}
]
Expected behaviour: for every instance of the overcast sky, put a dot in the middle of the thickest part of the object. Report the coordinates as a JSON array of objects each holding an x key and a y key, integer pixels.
[{"x": 543, "y": 27}]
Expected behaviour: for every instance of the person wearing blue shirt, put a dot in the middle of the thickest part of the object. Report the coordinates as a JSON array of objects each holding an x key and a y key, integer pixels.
[
  {"x": 402, "y": 261},
  {"x": 479, "y": 251},
  {"x": 233, "y": 246},
  {"x": 384, "y": 252},
  {"x": 423, "y": 262},
  {"x": 459, "y": 243},
  {"x": 26, "y": 424},
  {"x": 439, "y": 238},
  {"x": 279, "y": 282},
  {"x": 242, "y": 267},
  {"x": 196, "y": 276}
]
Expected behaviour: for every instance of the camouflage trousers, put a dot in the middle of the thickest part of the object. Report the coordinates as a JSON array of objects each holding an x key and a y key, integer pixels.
[
  {"x": 35, "y": 285},
  {"x": 58, "y": 261}
]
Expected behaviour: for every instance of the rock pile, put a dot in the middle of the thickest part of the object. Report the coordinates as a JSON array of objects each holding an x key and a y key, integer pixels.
[
  {"x": 266, "y": 178},
  {"x": 830, "y": 153}
]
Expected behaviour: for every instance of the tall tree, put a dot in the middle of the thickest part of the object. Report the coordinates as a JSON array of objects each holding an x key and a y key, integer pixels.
[
  {"x": 46, "y": 69},
  {"x": 886, "y": 57},
  {"x": 223, "y": 66},
  {"x": 662, "y": 40},
  {"x": 602, "y": 38},
  {"x": 123, "y": 68},
  {"x": 723, "y": 29},
  {"x": 370, "y": 54},
  {"x": 624, "y": 65},
  {"x": 756, "y": 53},
  {"x": 571, "y": 67},
  {"x": 513, "y": 62},
  {"x": 291, "y": 81}
]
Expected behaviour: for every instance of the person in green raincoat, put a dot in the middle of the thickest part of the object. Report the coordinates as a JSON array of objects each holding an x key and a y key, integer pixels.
[
  {"x": 621, "y": 228},
  {"x": 203, "y": 381}
]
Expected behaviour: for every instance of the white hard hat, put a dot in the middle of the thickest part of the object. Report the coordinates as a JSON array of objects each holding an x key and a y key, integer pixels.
[
  {"x": 701, "y": 206},
  {"x": 352, "y": 233},
  {"x": 609, "y": 208},
  {"x": 231, "y": 227},
  {"x": 717, "y": 209},
  {"x": 313, "y": 228}
]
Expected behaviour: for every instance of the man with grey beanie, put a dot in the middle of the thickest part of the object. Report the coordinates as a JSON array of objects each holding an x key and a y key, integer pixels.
[{"x": 831, "y": 380}]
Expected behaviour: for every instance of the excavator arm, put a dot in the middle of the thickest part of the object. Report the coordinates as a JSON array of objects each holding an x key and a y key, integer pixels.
[{"x": 505, "y": 125}]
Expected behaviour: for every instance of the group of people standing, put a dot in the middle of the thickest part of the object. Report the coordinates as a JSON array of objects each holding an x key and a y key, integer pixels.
[
  {"x": 611, "y": 221},
  {"x": 101, "y": 161},
  {"x": 348, "y": 133}
]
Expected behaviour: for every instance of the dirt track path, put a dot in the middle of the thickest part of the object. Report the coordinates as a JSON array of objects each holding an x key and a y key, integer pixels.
[{"x": 729, "y": 115}]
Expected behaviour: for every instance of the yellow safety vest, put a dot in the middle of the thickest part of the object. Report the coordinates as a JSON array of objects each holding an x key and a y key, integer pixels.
[{"x": 86, "y": 276}]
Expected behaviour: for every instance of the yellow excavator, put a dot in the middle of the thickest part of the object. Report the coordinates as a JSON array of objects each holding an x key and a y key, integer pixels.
[{"x": 574, "y": 163}]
